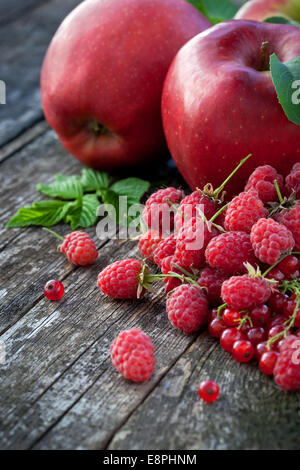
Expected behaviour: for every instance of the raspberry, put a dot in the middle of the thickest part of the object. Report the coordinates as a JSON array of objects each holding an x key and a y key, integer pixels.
[
  {"x": 54, "y": 290},
  {"x": 187, "y": 308},
  {"x": 122, "y": 279},
  {"x": 270, "y": 240},
  {"x": 243, "y": 292},
  {"x": 192, "y": 241},
  {"x": 79, "y": 248},
  {"x": 167, "y": 267},
  {"x": 243, "y": 211},
  {"x": 159, "y": 211},
  {"x": 292, "y": 181},
  {"x": 291, "y": 219},
  {"x": 229, "y": 251},
  {"x": 164, "y": 249},
  {"x": 209, "y": 391},
  {"x": 132, "y": 354},
  {"x": 148, "y": 244},
  {"x": 189, "y": 205},
  {"x": 262, "y": 179},
  {"x": 212, "y": 280},
  {"x": 287, "y": 369}
]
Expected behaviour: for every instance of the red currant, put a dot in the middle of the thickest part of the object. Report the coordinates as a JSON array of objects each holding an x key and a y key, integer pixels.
[
  {"x": 262, "y": 348},
  {"x": 268, "y": 361},
  {"x": 276, "y": 302},
  {"x": 231, "y": 317},
  {"x": 54, "y": 290},
  {"x": 229, "y": 337},
  {"x": 260, "y": 316},
  {"x": 276, "y": 274},
  {"x": 289, "y": 265},
  {"x": 243, "y": 351},
  {"x": 216, "y": 327},
  {"x": 256, "y": 335},
  {"x": 212, "y": 314},
  {"x": 209, "y": 391}
]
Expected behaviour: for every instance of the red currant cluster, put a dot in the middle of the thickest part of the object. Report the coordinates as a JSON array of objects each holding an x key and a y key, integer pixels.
[{"x": 232, "y": 266}]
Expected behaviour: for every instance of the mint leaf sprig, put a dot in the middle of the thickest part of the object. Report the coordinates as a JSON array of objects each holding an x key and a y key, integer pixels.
[{"x": 77, "y": 199}]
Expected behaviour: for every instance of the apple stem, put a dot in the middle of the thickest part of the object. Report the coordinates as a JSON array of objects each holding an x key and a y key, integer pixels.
[
  {"x": 264, "y": 56},
  {"x": 218, "y": 190}
]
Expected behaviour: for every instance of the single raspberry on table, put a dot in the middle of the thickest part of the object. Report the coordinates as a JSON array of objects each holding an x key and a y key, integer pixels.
[
  {"x": 229, "y": 251},
  {"x": 164, "y": 249},
  {"x": 291, "y": 219},
  {"x": 159, "y": 209},
  {"x": 124, "y": 279},
  {"x": 287, "y": 368},
  {"x": 270, "y": 240},
  {"x": 244, "y": 292},
  {"x": 148, "y": 243},
  {"x": 192, "y": 240},
  {"x": 243, "y": 211},
  {"x": 190, "y": 205},
  {"x": 167, "y": 267},
  {"x": 132, "y": 354},
  {"x": 187, "y": 308},
  {"x": 292, "y": 181},
  {"x": 262, "y": 179},
  {"x": 79, "y": 248},
  {"x": 212, "y": 280}
]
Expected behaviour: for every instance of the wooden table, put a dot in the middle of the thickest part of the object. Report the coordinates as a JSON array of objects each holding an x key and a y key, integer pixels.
[{"x": 58, "y": 389}]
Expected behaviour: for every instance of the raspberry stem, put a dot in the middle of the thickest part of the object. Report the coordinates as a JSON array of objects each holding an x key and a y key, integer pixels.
[
  {"x": 53, "y": 233},
  {"x": 220, "y": 188},
  {"x": 281, "y": 200}
]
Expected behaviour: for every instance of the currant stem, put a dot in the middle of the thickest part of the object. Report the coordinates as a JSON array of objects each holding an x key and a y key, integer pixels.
[
  {"x": 220, "y": 309},
  {"x": 290, "y": 324},
  {"x": 279, "y": 261},
  {"x": 220, "y": 189},
  {"x": 53, "y": 233},
  {"x": 278, "y": 192}
]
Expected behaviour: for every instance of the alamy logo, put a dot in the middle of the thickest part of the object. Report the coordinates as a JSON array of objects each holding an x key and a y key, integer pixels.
[
  {"x": 296, "y": 94},
  {"x": 2, "y": 92},
  {"x": 296, "y": 354}
]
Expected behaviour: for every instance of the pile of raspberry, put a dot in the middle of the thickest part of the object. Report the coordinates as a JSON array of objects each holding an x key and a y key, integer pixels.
[{"x": 232, "y": 268}]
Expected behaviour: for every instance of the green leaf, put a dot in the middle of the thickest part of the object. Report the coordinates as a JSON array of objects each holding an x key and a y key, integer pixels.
[
  {"x": 45, "y": 213},
  {"x": 281, "y": 20},
  {"x": 84, "y": 212},
  {"x": 216, "y": 10},
  {"x": 64, "y": 187},
  {"x": 286, "y": 79},
  {"x": 133, "y": 188},
  {"x": 94, "y": 180}
]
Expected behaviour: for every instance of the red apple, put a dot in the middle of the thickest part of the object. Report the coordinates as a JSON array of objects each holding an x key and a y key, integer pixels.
[
  {"x": 219, "y": 103},
  {"x": 103, "y": 76},
  {"x": 259, "y": 10}
]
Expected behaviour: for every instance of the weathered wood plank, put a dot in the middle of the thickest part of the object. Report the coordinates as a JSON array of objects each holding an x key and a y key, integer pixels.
[
  {"x": 23, "y": 44},
  {"x": 56, "y": 353},
  {"x": 11, "y": 10},
  {"x": 250, "y": 414}
]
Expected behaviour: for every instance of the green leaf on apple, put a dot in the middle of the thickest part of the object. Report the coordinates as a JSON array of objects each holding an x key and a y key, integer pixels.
[
  {"x": 286, "y": 79},
  {"x": 84, "y": 212},
  {"x": 281, "y": 20},
  {"x": 63, "y": 187},
  {"x": 216, "y": 11},
  {"x": 43, "y": 213}
]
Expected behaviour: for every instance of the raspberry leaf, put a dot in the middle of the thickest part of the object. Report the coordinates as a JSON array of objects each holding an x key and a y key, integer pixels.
[
  {"x": 286, "y": 79},
  {"x": 63, "y": 187},
  {"x": 94, "y": 180},
  {"x": 84, "y": 212},
  {"x": 133, "y": 188},
  {"x": 44, "y": 213}
]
